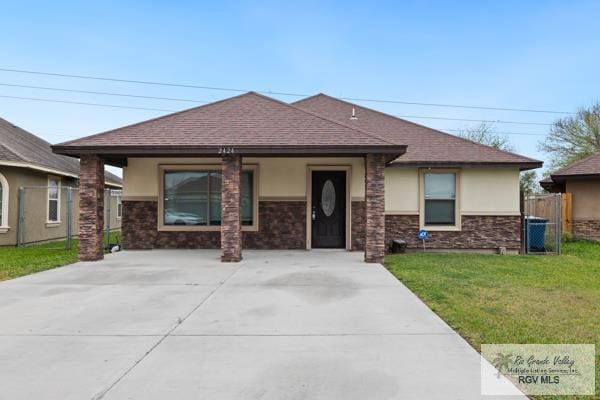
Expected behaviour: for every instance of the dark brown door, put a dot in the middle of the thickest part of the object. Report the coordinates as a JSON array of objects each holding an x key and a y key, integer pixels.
[{"x": 328, "y": 209}]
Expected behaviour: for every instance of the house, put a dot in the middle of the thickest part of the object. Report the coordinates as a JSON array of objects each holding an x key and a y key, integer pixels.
[
  {"x": 582, "y": 180},
  {"x": 256, "y": 173},
  {"x": 27, "y": 161}
]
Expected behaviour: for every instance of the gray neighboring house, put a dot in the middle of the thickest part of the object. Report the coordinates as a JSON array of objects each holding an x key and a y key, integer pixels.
[{"x": 27, "y": 161}]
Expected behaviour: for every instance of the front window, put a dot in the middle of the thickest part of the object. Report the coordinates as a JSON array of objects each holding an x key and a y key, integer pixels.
[
  {"x": 53, "y": 199},
  {"x": 439, "y": 199},
  {"x": 193, "y": 198}
]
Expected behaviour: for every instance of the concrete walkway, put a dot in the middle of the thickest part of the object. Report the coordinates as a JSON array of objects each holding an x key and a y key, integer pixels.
[{"x": 181, "y": 325}]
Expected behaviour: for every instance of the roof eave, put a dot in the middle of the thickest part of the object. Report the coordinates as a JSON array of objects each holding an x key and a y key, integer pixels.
[
  {"x": 523, "y": 165},
  {"x": 563, "y": 178},
  {"x": 118, "y": 154}
]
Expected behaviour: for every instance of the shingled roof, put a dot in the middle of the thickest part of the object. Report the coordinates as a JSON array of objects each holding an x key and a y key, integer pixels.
[
  {"x": 251, "y": 123},
  {"x": 20, "y": 148},
  {"x": 426, "y": 146},
  {"x": 588, "y": 167}
]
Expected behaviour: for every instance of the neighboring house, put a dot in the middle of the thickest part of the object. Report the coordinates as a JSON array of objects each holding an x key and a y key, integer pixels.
[
  {"x": 582, "y": 180},
  {"x": 318, "y": 173},
  {"x": 27, "y": 161}
]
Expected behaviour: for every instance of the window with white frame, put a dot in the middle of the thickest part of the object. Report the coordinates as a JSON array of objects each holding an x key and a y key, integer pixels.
[
  {"x": 53, "y": 199},
  {"x": 3, "y": 202},
  {"x": 119, "y": 206},
  {"x": 439, "y": 194},
  {"x": 117, "y": 195}
]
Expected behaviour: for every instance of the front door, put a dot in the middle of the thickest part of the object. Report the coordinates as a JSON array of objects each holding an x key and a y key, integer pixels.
[{"x": 328, "y": 209}]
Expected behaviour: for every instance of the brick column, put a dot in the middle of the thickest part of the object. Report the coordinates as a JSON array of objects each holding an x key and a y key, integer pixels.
[
  {"x": 91, "y": 207},
  {"x": 375, "y": 208},
  {"x": 231, "y": 213}
]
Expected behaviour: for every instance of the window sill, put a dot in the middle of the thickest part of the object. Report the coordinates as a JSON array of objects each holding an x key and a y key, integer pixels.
[
  {"x": 4, "y": 229},
  {"x": 52, "y": 224},
  {"x": 188, "y": 228},
  {"x": 441, "y": 228}
]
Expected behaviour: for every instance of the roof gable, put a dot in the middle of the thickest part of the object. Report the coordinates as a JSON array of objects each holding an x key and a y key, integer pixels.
[
  {"x": 247, "y": 120},
  {"x": 426, "y": 146},
  {"x": 19, "y": 147}
]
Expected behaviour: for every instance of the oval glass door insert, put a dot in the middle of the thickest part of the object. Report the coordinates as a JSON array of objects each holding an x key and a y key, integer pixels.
[{"x": 328, "y": 198}]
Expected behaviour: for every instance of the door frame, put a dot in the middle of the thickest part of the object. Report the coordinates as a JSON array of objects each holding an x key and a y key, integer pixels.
[{"x": 341, "y": 168}]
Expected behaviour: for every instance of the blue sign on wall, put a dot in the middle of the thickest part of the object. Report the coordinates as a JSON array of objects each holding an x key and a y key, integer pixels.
[{"x": 423, "y": 234}]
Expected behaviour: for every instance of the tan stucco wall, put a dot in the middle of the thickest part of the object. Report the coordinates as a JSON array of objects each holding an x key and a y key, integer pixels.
[
  {"x": 278, "y": 177},
  {"x": 402, "y": 191},
  {"x": 483, "y": 191},
  {"x": 490, "y": 191},
  {"x": 36, "y": 227},
  {"x": 586, "y": 198}
]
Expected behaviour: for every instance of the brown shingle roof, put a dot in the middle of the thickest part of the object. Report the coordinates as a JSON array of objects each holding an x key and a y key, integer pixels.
[
  {"x": 21, "y": 148},
  {"x": 588, "y": 166},
  {"x": 250, "y": 120},
  {"x": 426, "y": 146}
]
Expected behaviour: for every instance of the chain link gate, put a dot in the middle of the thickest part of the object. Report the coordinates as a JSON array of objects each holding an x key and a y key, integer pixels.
[
  {"x": 50, "y": 214},
  {"x": 542, "y": 225}
]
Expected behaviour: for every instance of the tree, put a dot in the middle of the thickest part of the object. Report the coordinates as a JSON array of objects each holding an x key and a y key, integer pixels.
[
  {"x": 529, "y": 182},
  {"x": 484, "y": 134},
  {"x": 573, "y": 138}
]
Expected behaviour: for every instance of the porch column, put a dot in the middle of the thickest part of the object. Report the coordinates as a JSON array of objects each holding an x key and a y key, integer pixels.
[
  {"x": 375, "y": 208},
  {"x": 231, "y": 215},
  {"x": 91, "y": 207}
]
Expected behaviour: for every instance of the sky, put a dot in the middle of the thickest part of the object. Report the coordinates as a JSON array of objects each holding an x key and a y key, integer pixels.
[{"x": 509, "y": 54}]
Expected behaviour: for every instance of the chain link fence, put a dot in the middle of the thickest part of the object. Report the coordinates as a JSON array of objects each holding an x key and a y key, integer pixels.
[
  {"x": 51, "y": 214},
  {"x": 542, "y": 225}
]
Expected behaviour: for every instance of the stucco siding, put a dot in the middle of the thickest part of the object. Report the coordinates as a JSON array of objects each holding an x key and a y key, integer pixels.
[
  {"x": 489, "y": 191},
  {"x": 586, "y": 198},
  {"x": 402, "y": 191},
  {"x": 37, "y": 228},
  {"x": 278, "y": 177},
  {"x": 483, "y": 191}
]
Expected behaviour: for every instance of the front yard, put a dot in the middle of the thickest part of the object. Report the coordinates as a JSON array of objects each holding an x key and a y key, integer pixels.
[
  {"x": 511, "y": 299},
  {"x": 20, "y": 261}
]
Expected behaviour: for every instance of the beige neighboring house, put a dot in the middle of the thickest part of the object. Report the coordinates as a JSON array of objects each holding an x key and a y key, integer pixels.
[
  {"x": 582, "y": 180},
  {"x": 27, "y": 161},
  {"x": 252, "y": 172}
]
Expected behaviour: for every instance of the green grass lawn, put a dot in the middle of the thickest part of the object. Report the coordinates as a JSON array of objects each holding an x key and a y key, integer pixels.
[
  {"x": 511, "y": 299},
  {"x": 19, "y": 261}
]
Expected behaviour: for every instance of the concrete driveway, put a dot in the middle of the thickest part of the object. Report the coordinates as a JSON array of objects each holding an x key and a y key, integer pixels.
[{"x": 181, "y": 325}]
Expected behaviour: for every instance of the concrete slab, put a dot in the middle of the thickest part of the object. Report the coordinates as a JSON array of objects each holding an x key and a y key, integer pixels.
[
  {"x": 373, "y": 367},
  {"x": 311, "y": 310},
  {"x": 190, "y": 267},
  {"x": 180, "y": 324},
  {"x": 95, "y": 309},
  {"x": 65, "y": 367}
]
